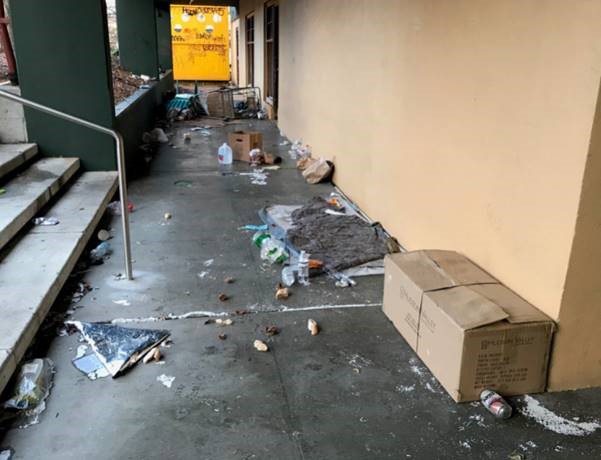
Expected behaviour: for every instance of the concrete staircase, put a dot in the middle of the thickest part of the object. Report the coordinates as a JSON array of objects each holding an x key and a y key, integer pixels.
[{"x": 35, "y": 261}]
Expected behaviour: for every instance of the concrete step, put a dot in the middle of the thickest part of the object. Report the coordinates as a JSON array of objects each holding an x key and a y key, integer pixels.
[
  {"x": 26, "y": 194},
  {"x": 14, "y": 155},
  {"x": 35, "y": 270}
]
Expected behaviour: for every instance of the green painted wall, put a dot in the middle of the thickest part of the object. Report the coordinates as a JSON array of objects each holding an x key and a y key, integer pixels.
[
  {"x": 63, "y": 62},
  {"x": 136, "y": 26},
  {"x": 163, "y": 21}
]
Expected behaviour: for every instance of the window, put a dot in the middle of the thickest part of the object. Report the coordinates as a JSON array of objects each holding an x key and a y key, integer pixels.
[
  {"x": 271, "y": 52},
  {"x": 250, "y": 50}
]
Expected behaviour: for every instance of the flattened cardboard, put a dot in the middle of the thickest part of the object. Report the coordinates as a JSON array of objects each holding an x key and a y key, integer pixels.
[
  {"x": 243, "y": 142},
  {"x": 470, "y": 330}
]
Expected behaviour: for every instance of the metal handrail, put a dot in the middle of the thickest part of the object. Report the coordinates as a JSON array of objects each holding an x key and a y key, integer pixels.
[{"x": 120, "y": 164}]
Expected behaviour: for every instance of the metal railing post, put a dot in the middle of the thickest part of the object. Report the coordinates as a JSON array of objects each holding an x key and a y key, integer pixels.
[{"x": 120, "y": 164}]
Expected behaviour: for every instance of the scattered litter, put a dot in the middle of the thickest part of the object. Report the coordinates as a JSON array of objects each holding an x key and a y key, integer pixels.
[
  {"x": 122, "y": 302},
  {"x": 208, "y": 263},
  {"x": 272, "y": 249},
  {"x": 166, "y": 380},
  {"x": 156, "y": 136},
  {"x": 405, "y": 388},
  {"x": 317, "y": 171},
  {"x": 343, "y": 280},
  {"x": 202, "y": 275},
  {"x": 313, "y": 327},
  {"x": 495, "y": 404},
  {"x": 187, "y": 138},
  {"x": 223, "y": 297},
  {"x": 6, "y": 454},
  {"x": 103, "y": 235},
  {"x": 260, "y": 345},
  {"x": 119, "y": 276},
  {"x": 167, "y": 216},
  {"x": 229, "y": 280},
  {"x": 91, "y": 366},
  {"x": 241, "y": 312},
  {"x": 100, "y": 252},
  {"x": 115, "y": 207},
  {"x": 224, "y": 322},
  {"x": 281, "y": 292},
  {"x": 2, "y": 191},
  {"x": 284, "y": 142},
  {"x": 81, "y": 351},
  {"x": 183, "y": 183},
  {"x": 118, "y": 348},
  {"x": 257, "y": 177},
  {"x": 255, "y": 228},
  {"x": 271, "y": 168},
  {"x": 82, "y": 289},
  {"x": 465, "y": 444},
  {"x": 222, "y": 336},
  {"x": 31, "y": 390},
  {"x": 515, "y": 456},
  {"x": 359, "y": 362},
  {"x": 153, "y": 355},
  {"x": 45, "y": 221},
  {"x": 288, "y": 275},
  {"x": 554, "y": 422},
  {"x": 272, "y": 330}
]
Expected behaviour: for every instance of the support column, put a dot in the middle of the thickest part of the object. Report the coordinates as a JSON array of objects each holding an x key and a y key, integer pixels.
[
  {"x": 163, "y": 22},
  {"x": 137, "y": 28},
  {"x": 63, "y": 62}
]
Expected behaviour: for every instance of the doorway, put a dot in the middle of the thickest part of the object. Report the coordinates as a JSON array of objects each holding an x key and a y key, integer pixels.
[{"x": 272, "y": 28}]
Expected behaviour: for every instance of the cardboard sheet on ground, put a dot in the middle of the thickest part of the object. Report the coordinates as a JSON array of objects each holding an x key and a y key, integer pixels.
[{"x": 117, "y": 347}]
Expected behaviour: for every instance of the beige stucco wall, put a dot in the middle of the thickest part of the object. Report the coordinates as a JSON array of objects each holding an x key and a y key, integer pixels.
[
  {"x": 247, "y": 7},
  {"x": 460, "y": 125}
]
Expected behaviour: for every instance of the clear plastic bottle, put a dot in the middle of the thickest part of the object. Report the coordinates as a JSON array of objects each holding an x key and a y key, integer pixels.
[
  {"x": 101, "y": 251},
  {"x": 303, "y": 268},
  {"x": 225, "y": 157},
  {"x": 272, "y": 249},
  {"x": 288, "y": 275}
]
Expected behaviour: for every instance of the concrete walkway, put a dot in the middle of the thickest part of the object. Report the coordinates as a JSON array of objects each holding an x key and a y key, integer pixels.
[{"x": 355, "y": 391}]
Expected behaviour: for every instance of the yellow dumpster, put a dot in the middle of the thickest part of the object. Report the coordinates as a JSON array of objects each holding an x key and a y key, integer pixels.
[{"x": 200, "y": 42}]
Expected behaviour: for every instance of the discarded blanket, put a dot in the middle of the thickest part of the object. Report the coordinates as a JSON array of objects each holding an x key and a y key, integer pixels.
[{"x": 340, "y": 241}]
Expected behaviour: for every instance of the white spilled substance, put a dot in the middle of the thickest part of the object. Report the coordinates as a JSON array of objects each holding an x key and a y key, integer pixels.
[
  {"x": 556, "y": 423},
  {"x": 208, "y": 263},
  {"x": 166, "y": 380},
  {"x": 81, "y": 351},
  {"x": 124, "y": 303}
]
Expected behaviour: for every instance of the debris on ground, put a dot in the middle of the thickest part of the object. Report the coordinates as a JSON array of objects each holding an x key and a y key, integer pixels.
[
  {"x": 313, "y": 326},
  {"x": 103, "y": 235},
  {"x": 156, "y": 136},
  {"x": 255, "y": 228},
  {"x": 318, "y": 171},
  {"x": 183, "y": 183},
  {"x": 122, "y": 302},
  {"x": 229, "y": 280},
  {"x": 166, "y": 380},
  {"x": 82, "y": 289},
  {"x": 272, "y": 330},
  {"x": 153, "y": 355},
  {"x": 224, "y": 322},
  {"x": 281, "y": 292},
  {"x": 91, "y": 366},
  {"x": 241, "y": 312},
  {"x": 114, "y": 207},
  {"x": 223, "y": 297},
  {"x": 187, "y": 138},
  {"x": 272, "y": 249},
  {"x": 222, "y": 336},
  {"x": 515, "y": 456},
  {"x": 2, "y": 191},
  {"x": 260, "y": 345},
  {"x": 118, "y": 348},
  {"x": 185, "y": 106},
  {"x": 45, "y": 221},
  {"x": 6, "y": 454},
  {"x": 257, "y": 177},
  {"x": 495, "y": 404},
  {"x": 32, "y": 388},
  {"x": 167, "y": 216},
  {"x": 100, "y": 252}
]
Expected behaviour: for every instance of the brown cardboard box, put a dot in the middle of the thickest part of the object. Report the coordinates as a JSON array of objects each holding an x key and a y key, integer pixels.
[
  {"x": 243, "y": 142},
  {"x": 470, "y": 330}
]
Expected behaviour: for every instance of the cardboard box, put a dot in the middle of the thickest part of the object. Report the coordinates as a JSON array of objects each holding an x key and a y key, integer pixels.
[
  {"x": 471, "y": 331},
  {"x": 243, "y": 142}
]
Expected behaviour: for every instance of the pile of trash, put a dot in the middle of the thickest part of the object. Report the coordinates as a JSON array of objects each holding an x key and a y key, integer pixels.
[
  {"x": 325, "y": 236},
  {"x": 185, "y": 106},
  {"x": 315, "y": 170}
]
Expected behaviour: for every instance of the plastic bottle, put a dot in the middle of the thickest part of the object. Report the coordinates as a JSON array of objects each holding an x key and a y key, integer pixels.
[
  {"x": 272, "y": 249},
  {"x": 303, "y": 268},
  {"x": 288, "y": 275},
  {"x": 101, "y": 251},
  {"x": 225, "y": 157},
  {"x": 495, "y": 404}
]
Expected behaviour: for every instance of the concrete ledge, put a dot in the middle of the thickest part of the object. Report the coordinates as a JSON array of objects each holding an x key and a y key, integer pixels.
[
  {"x": 13, "y": 128},
  {"x": 14, "y": 155}
]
